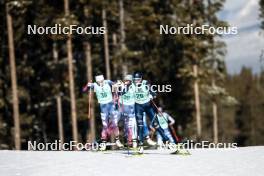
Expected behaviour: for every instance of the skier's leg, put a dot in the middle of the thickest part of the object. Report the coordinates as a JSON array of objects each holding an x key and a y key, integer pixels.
[
  {"x": 104, "y": 119},
  {"x": 114, "y": 118},
  {"x": 139, "y": 117},
  {"x": 131, "y": 116},
  {"x": 168, "y": 134},
  {"x": 145, "y": 126},
  {"x": 155, "y": 123},
  {"x": 146, "y": 131},
  {"x": 159, "y": 139},
  {"x": 133, "y": 123},
  {"x": 125, "y": 119},
  {"x": 134, "y": 128}
]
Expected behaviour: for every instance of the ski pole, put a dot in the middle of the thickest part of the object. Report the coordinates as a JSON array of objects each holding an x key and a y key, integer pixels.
[
  {"x": 172, "y": 129},
  {"x": 89, "y": 104},
  {"x": 174, "y": 133},
  {"x": 124, "y": 120},
  {"x": 122, "y": 115},
  {"x": 89, "y": 99}
]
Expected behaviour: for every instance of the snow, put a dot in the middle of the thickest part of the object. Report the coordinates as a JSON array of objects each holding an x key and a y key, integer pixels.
[{"x": 203, "y": 162}]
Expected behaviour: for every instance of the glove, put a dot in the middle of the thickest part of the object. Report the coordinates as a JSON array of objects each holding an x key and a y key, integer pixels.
[
  {"x": 117, "y": 86},
  {"x": 151, "y": 97},
  {"x": 119, "y": 82},
  {"x": 88, "y": 85}
]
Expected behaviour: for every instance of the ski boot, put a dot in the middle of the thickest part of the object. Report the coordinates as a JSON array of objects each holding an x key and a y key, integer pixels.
[
  {"x": 150, "y": 142},
  {"x": 140, "y": 148},
  {"x": 171, "y": 146},
  {"x": 118, "y": 143},
  {"x": 134, "y": 144},
  {"x": 102, "y": 146}
]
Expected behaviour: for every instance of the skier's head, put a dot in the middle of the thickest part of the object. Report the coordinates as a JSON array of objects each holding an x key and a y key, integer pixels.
[
  {"x": 137, "y": 77},
  {"x": 128, "y": 79},
  {"x": 160, "y": 109},
  {"x": 99, "y": 79}
]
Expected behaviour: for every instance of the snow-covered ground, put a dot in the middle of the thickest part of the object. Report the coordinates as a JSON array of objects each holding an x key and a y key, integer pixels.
[{"x": 247, "y": 161}]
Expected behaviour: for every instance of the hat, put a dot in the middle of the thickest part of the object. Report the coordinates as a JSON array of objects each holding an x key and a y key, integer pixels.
[
  {"x": 137, "y": 75},
  {"x": 128, "y": 77},
  {"x": 99, "y": 78}
]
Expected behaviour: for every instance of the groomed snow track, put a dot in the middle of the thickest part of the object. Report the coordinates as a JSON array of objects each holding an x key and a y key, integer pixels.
[{"x": 246, "y": 161}]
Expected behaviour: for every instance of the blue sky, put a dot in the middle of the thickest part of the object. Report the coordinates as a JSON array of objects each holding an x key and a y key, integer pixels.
[{"x": 245, "y": 48}]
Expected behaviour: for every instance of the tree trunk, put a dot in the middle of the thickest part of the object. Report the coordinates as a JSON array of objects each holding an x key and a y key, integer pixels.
[
  {"x": 215, "y": 117},
  {"x": 71, "y": 78},
  {"x": 115, "y": 48},
  {"x": 89, "y": 75},
  {"x": 60, "y": 118},
  {"x": 122, "y": 36},
  {"x": 197, "y": 103},
  {"x": 252, "y": 126},
  {"x": 15, "y": 100},
  {"x": 55, "y": 52},
  {"x": 215, "y": 122},
  {"x": 106, "y": 46},
  {"x": 58, "y": 98}
]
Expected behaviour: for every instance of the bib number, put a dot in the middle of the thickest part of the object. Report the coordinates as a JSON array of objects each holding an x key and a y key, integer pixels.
[
  {"x": 139, "y": 96},
  {"x": 103, "y": 95}
]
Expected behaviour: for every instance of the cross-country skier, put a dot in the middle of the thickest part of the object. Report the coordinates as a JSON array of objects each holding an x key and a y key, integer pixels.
[
  {"x": 164, "y": 120},
  {"x": 109, "y": 116},
  {"x": 143, "y": 96},
  {"x": 127, "y": 102}
]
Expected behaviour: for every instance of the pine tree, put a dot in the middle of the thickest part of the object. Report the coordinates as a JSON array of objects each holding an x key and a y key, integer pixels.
[
  {"x": 216, "y": 64},
  {"x": 71, "y": 77},
  {"x": 261, "y": 3},
  {"x": 14, "y": 8}
]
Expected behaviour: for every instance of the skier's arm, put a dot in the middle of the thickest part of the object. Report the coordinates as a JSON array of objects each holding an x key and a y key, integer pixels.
[
  {"x": 116, "y": 87},
  {"x": 125, "y": 89},
  {"x": 89, "y": 85},
  {"x": 170, "y": 119},
  {"x": 111, "y": 83},
  {"x": 152, "y": 93}
]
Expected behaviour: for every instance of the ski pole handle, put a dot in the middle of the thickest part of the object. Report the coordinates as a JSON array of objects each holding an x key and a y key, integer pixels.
[{"x": 86, "y": 87}]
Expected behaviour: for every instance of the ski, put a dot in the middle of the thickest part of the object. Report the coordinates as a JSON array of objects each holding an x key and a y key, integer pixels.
[
  {"x": 181, "y": 152},
  {"x": 133, "y": 152}
]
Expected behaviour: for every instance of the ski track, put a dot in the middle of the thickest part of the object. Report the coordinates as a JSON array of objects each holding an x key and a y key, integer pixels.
[{"x": 246, "y": 161}]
